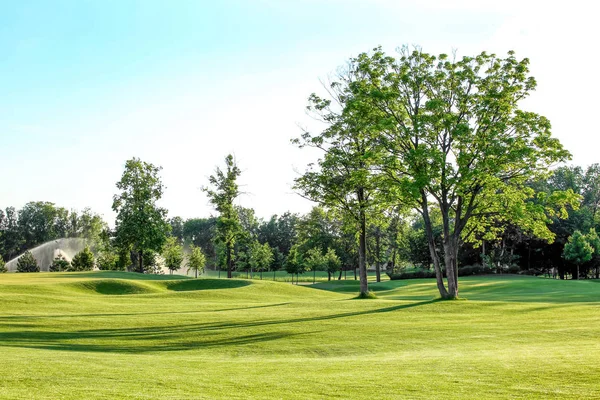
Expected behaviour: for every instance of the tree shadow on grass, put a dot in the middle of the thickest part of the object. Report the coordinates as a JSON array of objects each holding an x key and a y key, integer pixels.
[
  {"x": 166, "y": 338},
  {"x": 110, "y": 315}
]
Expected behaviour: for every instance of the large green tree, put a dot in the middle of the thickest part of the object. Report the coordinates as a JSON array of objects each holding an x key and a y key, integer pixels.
[
  {"x": 343, "y": 179},
  {"x": 455, "y": 138},
  {"x": 222, "y": 194},
  {"x": 141, "y": 225}
]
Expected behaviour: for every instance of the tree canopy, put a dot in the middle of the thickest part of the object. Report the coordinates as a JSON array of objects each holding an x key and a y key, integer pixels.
[{"x": 141, "y": 225}]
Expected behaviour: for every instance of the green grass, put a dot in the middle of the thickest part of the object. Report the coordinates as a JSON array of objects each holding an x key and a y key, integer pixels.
[{"x": 117, "y": 335}]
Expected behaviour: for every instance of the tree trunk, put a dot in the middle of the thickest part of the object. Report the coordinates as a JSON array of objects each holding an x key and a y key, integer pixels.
[
  {"x": 314, "y": 275},
  {"x": 432, "y": 251},
  {"x": 450, "y": 256},
  {"x": 577, "y": 272},
  {"x": 377, "y": 265},
  {"x": 229, "y": 262},
  {"x": 362, "y": 247},
  {"x": 340, "y": 277},
  {"x": 196, "y": 271},
  {"x": 141, "y": 261},
  {"x": 261, "y": 274}
]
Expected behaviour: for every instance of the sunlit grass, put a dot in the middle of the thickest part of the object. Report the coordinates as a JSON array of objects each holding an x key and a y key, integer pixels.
[{"x": 120, "y": 335}]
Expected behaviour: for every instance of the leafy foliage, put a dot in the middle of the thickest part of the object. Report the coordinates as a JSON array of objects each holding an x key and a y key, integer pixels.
[
  {"x": 83, "y": 261},
  {"x": 224, "y": 191},
  {"x": 196, "y": 260},
  {"x": 59, "y": 264},
  {"x": 173, "y": 254},
  {"x": 141, "y": 224},
  {"x": 27, "y": 263}
]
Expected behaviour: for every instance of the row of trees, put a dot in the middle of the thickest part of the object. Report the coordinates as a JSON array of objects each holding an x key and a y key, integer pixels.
[
  {"x": 39, "y": 222},
  {"x": 82, "y": 261},
  {"x": 435, "y": 135},
  {"x": 323, "y": 240}
]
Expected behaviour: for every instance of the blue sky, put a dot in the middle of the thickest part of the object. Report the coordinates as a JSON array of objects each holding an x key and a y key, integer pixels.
[{"x": 86, "y": 85}]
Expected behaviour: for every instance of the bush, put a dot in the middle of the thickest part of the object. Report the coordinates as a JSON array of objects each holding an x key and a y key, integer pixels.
[
  {"x": 412, "y": 275},
  {"x": 83, "y": 261},
  {"x": 60, "y": 263},
  {"x": 513, "y": 269},
  {"x": 107, "y": 261},
  {"x": 530, "y": 271},
  {"x": 27, "y": 263},
  {"x": 2, "y": 266},
  {"x": 475, "y": 270}
]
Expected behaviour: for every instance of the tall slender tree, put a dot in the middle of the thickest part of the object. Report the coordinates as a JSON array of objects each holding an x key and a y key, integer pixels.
[
  {"x": 222, "y": 195},
  {"x": 343, "y": 179}
]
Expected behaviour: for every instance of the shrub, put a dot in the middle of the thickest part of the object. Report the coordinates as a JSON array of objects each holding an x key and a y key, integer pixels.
[
  {"x": 2, "y": 266},
  {"x": 412, "y": 275},
  {"x": 27, "y": 263},
  {"x": 83, "y": 261},
  {"x": 530, "y": 271},
  {"x": 475, "y": 270},
  {"x": 60, "y": 263},
  {"x": 513, "y": 269},
  {"x": 107, "y": 261}
]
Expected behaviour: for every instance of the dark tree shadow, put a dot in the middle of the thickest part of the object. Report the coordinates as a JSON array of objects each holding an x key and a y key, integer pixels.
[{"x": 165, "y": 338}]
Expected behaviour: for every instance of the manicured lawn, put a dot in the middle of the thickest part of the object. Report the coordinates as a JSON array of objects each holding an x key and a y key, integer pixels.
[{"x": 77, "y": 335}]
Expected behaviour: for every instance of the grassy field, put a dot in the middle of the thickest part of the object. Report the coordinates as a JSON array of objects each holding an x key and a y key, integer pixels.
[{"x": 119, "y": 335}]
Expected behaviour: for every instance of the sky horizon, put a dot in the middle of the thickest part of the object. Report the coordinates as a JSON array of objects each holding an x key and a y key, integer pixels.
[{"x": 88, "y": 85}]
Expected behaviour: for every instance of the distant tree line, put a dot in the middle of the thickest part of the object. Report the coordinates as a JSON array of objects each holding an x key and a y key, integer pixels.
[{"x": 39, "y": 222}]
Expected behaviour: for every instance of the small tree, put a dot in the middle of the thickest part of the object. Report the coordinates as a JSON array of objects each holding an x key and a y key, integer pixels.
[
  {"x": 314, "y": 260},
  {"x": 578, "y": 250},
  {"x": 2, "y": 266},
  {"x": 140, "y": 224},
  {"x": 59, "y": 263},
  {"x": 108, "y": 261},
  {"x": 261, "y": 257},
  {"x": 594, "y": 241},
  {"x": 332, "y": 262},
  {"x": 295, "y": 264},
  {"x": 83, "y": 261},
  {"x": 196, "y": 260},
  {"x": 225, "y": 191},
  {"x": 27, "y": 263},
  {"x": 173, "y": 254}
]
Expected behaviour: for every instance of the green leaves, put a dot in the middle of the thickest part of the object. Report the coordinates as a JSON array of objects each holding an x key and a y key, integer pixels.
[
  {"x": 196, "y": 260},
  {"x": 578, "y": 250},
  {"x": 141, "y": 225},
  {"x": 172, "y": 253}
]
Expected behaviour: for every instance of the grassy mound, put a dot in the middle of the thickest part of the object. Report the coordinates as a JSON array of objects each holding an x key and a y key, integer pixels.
[
  {"x": 205, "y": 284},
  {"x": 115, "y": 287}
]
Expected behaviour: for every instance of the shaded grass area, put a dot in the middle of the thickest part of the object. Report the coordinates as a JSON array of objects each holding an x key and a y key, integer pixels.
[{"x": 64, "y": 336}]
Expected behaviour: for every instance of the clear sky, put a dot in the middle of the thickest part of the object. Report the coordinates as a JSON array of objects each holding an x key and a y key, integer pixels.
[{"x": 86, "y": 85}]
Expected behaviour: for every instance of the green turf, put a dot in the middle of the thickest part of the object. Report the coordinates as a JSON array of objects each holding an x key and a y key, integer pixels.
[{"x": 119, "y": 335}]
